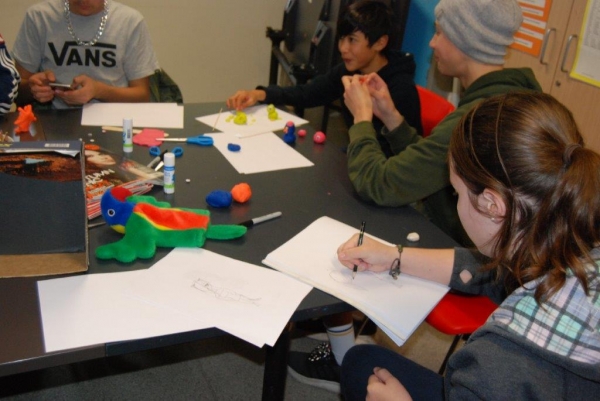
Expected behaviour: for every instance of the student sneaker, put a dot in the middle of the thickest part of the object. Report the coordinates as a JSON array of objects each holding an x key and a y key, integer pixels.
[
  {"x": 316, "y": 330},
  {"x": 317, "y": 368}
]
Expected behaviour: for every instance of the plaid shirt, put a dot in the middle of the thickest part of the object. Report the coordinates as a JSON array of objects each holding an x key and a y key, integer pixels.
[{"x": 567, "y": 324}]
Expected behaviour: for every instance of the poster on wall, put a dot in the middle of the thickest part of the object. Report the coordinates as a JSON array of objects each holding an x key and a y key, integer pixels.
[
  {"x": 530, "y": 36},
  {"x": 588, "y": 47}
]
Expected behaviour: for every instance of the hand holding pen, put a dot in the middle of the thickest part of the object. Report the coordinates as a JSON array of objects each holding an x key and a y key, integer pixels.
[
  {"x": 371, "y": 255},
  {"x": 360, "y": 241}
]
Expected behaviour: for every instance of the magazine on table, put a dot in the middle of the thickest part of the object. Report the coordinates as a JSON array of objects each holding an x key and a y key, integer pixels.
[{"x": 105, "y": 170}]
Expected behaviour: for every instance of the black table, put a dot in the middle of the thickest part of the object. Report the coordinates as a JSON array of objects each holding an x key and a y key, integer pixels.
[{"x": 302, "y": 195}]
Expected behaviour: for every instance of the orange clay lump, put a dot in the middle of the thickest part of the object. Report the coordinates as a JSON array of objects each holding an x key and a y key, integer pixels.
[
  {"x": 241, "y": 192},
  {"x": 24, "y": 120}
]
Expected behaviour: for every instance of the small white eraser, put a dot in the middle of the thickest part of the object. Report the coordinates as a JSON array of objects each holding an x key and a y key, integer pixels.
[
  {"x": 188, "y": 180},
  {"x": 413, "y": 237}
]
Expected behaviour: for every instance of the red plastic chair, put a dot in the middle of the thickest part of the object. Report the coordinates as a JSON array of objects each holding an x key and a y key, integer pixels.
[
  {"x": 459, "y": 315},
  {"x": 433, "y": 109}
]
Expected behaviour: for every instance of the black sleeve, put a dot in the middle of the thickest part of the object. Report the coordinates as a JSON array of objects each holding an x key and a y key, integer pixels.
[{"x": 321, "y": 90}]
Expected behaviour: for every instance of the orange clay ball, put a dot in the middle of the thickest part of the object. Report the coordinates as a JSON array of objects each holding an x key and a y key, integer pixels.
[{"x": 241, "y": 192}]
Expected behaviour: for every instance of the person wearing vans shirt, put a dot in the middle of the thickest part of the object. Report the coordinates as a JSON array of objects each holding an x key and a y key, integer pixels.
[{"x": 101, "y": 48}]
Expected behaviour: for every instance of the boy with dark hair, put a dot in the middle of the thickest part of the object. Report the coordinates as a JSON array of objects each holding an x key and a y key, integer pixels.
[
  {"x": 363, "y": 42},
  {"x": 363, "y": 38}
]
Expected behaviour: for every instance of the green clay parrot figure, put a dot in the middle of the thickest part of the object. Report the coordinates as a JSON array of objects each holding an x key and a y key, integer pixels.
[{"x": 148, "y": 223}]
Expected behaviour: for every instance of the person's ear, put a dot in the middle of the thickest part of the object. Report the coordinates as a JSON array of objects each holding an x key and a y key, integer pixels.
[
  {"x": 493, "y": 204},
  {"x": 381, "y": 43}
]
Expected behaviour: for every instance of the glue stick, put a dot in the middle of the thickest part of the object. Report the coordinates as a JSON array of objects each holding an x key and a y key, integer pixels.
[
  {"x": 169, "y": 172},
  {"x": 127, "y": 135}
]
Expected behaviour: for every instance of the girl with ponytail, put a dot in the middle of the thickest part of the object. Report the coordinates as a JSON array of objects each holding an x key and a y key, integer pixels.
[{"x": 529, "y": 198}]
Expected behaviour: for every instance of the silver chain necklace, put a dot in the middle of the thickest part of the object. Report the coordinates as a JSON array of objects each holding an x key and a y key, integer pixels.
[{"x": 100, "y": 28}]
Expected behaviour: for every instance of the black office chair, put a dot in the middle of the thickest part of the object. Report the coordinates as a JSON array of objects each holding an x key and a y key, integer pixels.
[{"x": 163, "y": 89}]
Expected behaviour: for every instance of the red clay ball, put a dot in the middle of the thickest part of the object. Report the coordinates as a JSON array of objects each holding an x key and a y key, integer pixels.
[{"x": 319, "y": 137}]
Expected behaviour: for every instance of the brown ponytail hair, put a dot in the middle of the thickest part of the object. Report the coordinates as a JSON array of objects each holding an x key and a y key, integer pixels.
[{"x": 527, "y": 148}]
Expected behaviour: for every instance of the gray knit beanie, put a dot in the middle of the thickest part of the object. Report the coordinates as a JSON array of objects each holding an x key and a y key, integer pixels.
[{"x": 482, "y": 29}]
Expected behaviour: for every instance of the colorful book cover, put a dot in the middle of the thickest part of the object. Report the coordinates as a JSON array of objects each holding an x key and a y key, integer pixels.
[{"x": 105, "y": 170}]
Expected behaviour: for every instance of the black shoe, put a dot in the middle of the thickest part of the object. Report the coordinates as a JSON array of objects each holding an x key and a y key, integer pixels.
[
  {"x": 310, "y": 326},
  {"x": 318, "y": 368}
]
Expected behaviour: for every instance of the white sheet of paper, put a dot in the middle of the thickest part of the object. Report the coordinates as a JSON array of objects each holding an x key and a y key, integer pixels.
[
  {"x": 257, "y": 121},
  {"x": 93, "y": 309},
  {"x": 397, "y": 306},
  {"x": 144, "y": 115},
  {"x": 259, "y": 153},
  {"x": 245, "y": 300}
]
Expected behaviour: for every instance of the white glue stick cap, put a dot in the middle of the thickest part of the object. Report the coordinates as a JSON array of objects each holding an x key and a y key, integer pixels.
[{"x": 169, "y": 159}]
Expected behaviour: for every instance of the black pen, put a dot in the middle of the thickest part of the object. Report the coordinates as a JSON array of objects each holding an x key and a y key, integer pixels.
[
  {"x": 256, "y": 220},
  {"x": 360, "y": 240},
  {"x": 157, "y": 159}
]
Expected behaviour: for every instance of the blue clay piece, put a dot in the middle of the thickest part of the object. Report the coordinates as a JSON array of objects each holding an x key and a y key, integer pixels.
[
  {"x": 219, "y": 198},
  {"x": 287, "y": 138},
  {"x": 290, "y": 128},
  {"x": 233, "y": 147}
]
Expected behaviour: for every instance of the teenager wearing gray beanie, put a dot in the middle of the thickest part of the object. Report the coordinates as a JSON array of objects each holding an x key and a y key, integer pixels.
[
  {"x": 470, "y": 44},
  {"x": 482, "y": 29}
]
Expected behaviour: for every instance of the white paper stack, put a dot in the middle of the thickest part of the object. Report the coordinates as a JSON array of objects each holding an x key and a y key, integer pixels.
[
  {"x": 189, "y": 289},
  {"x": 144, "y": 115},
  {"x": 398, "y": 307},
  {"x": 260, "y": 153}
]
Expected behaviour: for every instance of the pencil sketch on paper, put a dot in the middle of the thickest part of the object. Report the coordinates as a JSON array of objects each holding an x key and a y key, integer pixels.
[
  {"x": 344, "y": 276},
  {"x": 222, "y": 292}
]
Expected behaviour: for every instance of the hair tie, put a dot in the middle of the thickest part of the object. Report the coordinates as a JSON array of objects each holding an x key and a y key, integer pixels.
[{"x": 567, "y": 154}]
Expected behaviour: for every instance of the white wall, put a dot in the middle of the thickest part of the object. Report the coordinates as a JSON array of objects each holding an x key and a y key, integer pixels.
[{"x": 211, "y": 48}]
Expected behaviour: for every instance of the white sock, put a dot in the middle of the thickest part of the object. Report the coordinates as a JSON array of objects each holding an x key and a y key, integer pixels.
[{"x": 341, "y": 339}]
